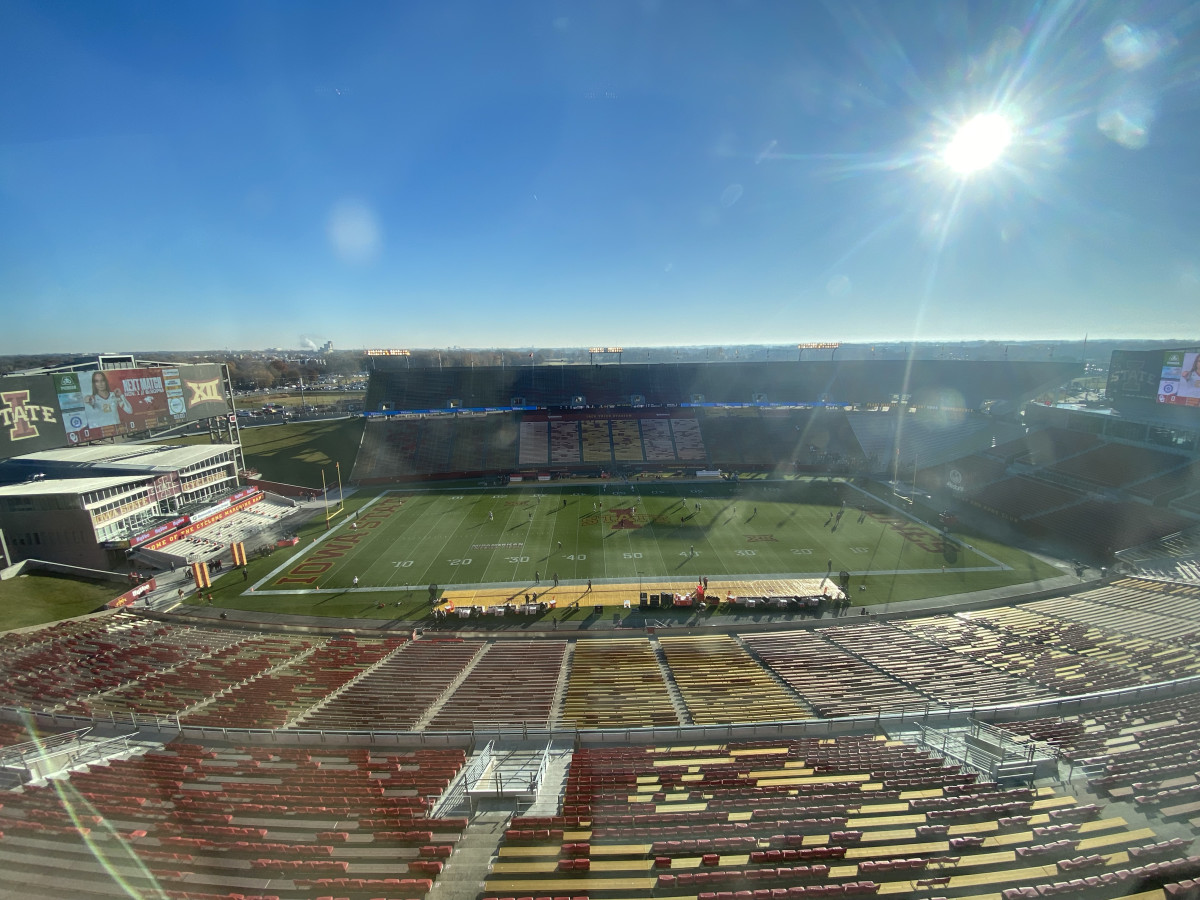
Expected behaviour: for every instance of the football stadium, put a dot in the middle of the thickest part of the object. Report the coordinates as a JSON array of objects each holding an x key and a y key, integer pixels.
[
  {"x": 760, "y": 458},
  {"x": 616, "y": 631}
]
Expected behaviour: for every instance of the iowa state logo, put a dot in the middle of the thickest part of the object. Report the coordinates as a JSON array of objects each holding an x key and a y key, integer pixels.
[
  {"x": 20, "y": 416},
  {"x": 204, "y": 392}
]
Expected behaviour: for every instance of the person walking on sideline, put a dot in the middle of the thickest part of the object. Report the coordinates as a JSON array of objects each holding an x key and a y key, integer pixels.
[
  {"x": 537, "y": 577},
  {"x": 356, "y": 581}
]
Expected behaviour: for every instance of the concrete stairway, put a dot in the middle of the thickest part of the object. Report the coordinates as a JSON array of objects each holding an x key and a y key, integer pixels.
[{"x": 469, "y": 864}]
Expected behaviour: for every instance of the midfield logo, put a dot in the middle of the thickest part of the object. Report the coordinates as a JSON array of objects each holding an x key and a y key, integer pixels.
[
  {"x": 18, "y": 415},
  {"x": 204, "y": 391}
]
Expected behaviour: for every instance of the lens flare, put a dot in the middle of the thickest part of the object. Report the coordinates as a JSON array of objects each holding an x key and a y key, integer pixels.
[{"x": 979, "y": 143}]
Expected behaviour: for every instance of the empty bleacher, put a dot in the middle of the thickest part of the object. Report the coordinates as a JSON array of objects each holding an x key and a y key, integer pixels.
[
  {"x": 689, "y": 442},
  {"x": 69, "y": 665},
  {"x": 396, "y": 693},
  {"x": 1044, "y": 447},
  {"x": 193, "y": 821},
  {"x": 597, "y": 441},
  {"x": 468, "y": 452},
  {"x": 1046, "y": 622},
  {"x": 1063, "y": 672},
  {"x": 564, "y": 442},
  {"x": 534, "y": 447},
  {"x": 1168, "y": 486},
  {"x": 514, "y": 683},
  {"x": 1021, "y": 497},
  {"x": 1130, "y": 632},
  {"x": 836, "y": 817},
  {"x": 1113, "y": 464},
  {"x": 833, "y": 681},
  {"x": 288, "y": 691},
  {"x": 1142, "y": 752},
  {"x": 656, "y": 439},
  {"x": 927, "y": 439},
  {"x": 947, "y": 679},
  {"x": 720, "y": 682},
  {"x": 400, "y": 448},
  {"x": 966, "y": 473},
  {"x": 1175, "y": 602},
  {"x": 627, "y": 441},
  {"x": 1105, "y": 526},
  {"x": 616, "y": 683}
]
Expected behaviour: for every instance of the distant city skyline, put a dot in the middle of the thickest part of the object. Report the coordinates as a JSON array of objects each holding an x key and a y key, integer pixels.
[
  {"x": 566, "y": 174},
  {"x": 1093, "y": 349}
]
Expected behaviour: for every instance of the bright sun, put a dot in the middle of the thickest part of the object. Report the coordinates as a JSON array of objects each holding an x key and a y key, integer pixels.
[{"x": 979, "y": 143}]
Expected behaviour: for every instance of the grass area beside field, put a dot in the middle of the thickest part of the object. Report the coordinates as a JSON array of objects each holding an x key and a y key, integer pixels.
[
  {"x": 295, "y": 453},
  {"x": 41, "y": 597},
  {"x": 404, "y": 541}
]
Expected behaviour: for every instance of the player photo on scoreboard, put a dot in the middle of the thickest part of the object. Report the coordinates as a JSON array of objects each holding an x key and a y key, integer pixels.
[{"x": 102, "y": 403}]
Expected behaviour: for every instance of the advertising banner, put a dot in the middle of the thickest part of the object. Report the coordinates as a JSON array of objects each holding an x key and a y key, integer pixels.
[
  {"x": 195, "y": 526},
  {"x": 29, "y": 416},
  {"x": 45, "y": 412},
  {"x": 158, "y": 530},
  {"x": 130, "y": 597},
  {"x": 103, "y": 403},
  {"x": 1179, "y": 382}
]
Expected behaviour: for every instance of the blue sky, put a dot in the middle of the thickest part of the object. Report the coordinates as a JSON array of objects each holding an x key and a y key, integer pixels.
[{"x": 242, "y": 175}]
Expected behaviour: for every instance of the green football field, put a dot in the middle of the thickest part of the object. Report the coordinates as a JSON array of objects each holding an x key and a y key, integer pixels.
[{"x": 630, "y": 533}]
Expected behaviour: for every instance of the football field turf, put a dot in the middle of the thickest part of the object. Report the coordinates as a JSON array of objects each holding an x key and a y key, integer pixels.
[{"x": 626, "y": 532}]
